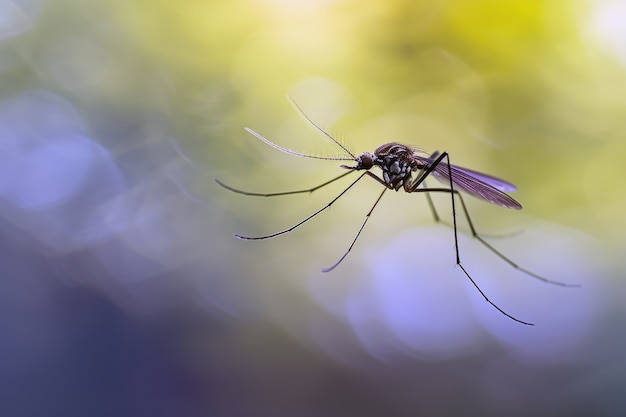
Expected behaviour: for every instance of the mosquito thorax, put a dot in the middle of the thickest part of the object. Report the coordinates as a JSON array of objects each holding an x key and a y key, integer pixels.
[{"x": 397, "y": 163}]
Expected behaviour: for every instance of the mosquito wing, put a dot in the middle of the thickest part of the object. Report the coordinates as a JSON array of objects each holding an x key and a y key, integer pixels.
[
  {"x": 498, "y": 183},
  {"x": 477, "y": 184}
]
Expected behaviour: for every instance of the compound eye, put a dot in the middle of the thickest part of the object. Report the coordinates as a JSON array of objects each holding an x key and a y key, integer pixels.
[{"x": 366, "y": 161}]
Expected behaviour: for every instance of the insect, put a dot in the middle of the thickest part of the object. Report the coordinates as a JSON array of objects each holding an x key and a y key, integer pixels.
[{"x": 406, "y": 168}]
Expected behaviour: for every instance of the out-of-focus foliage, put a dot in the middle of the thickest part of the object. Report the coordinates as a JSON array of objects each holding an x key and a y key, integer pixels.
[{"x": 124, "y": 293}]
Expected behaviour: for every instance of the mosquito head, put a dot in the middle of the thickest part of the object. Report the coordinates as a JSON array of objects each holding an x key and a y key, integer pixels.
[{"x": 365, "y": 161}]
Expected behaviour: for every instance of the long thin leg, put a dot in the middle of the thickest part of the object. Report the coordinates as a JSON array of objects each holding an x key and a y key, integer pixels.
[
  {"x": 308, "y": 190},
  {"x": 501, "y": 255},
  {"x": 414, "y": 188},
  {"x": 307, "y": 219},
  {"x": 452, "y": 192},
  {"x": 429, "y": 200},
  {"x": 478, "y": 237},
  {"x": 367, "y": 217},
  {"x": 438, "y": 219},
  {"x": 431, "y": 205}
]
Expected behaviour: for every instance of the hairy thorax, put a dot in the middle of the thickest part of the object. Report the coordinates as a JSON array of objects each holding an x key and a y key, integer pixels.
[{"x": 397, "y": 163}]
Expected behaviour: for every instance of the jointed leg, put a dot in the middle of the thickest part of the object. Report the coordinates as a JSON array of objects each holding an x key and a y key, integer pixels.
[
  {"x": 414, "y": 188},
  {"x": 367, "y": 217},
  {"x": 308, "y": 190},
  {"x": 502, "y": 256},
  {"x": 308, "y": 218},
  {"x": 438, "y": 219}
]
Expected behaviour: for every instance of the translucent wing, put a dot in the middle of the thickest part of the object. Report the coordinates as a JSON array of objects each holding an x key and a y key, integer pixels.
[
  {"x": 498, "y": 183},
  {"x": 487, "y": 179},
  {"x": 477, "y": 184}
]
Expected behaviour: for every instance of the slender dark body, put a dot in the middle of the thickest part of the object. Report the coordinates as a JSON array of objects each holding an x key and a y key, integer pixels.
[
  {"x": 404, "y": 167},
  {"x": 399, "y": 162}
]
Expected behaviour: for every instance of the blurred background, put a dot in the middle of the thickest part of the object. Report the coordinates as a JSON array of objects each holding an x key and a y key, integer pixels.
[{"x": 124, "y": 293}]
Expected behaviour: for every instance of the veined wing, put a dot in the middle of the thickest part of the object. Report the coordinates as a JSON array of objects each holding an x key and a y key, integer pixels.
[
  {"x": 477, "y": 184},
  {"x": 495, "y": 182}
]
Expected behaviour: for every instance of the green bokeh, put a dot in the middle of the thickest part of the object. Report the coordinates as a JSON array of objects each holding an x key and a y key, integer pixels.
[{"x": 525, "y": 90}]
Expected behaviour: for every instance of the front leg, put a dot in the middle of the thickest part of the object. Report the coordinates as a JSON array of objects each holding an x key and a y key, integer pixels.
[{"x": 379, "y": 180}]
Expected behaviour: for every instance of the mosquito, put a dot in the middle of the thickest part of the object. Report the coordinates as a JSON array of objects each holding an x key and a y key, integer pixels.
[{"x": 406, "y": 168}]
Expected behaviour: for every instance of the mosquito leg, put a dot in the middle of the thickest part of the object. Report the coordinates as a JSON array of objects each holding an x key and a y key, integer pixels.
[
  {"x": 488, "y": 300},
  {"x": 308, "y": 190},
  {"x": 367, "y": 217},
  {"x": 422, "y": 179},
  {"x": 377, "y": 178},
  {"x": 438, "y": 219},
  {"x": 308, "y": 218},
  {"x": 501, "y": 255},
  {"x": 452, "y": 192},
  {"x": 431, "y": 205}
]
